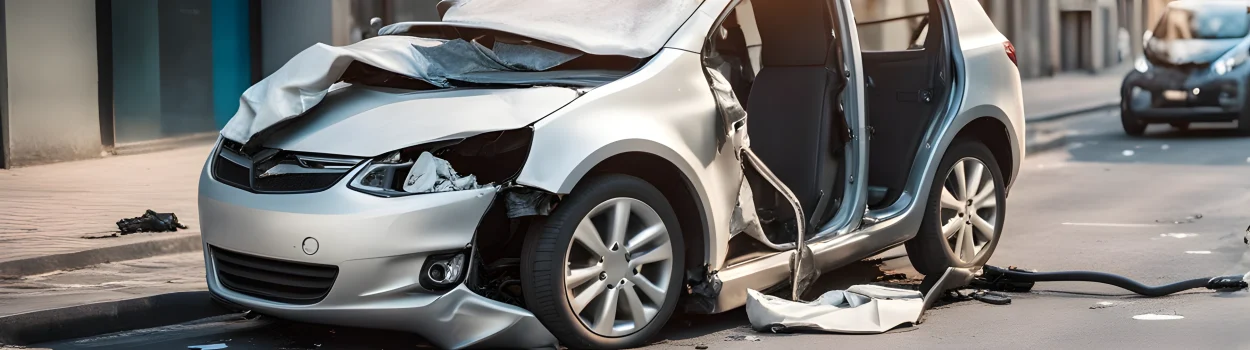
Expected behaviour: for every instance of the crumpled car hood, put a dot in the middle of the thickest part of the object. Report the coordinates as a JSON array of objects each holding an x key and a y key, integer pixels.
[
  {"x": 1182, "y": 52},
  {"x": 369, "y": 121}
]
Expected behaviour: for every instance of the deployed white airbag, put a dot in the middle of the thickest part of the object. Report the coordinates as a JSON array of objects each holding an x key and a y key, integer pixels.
[
  {"x": 862, "y": 309},
  {"x": 306, "y": 79},
  {"x": 430, "y": 174}
]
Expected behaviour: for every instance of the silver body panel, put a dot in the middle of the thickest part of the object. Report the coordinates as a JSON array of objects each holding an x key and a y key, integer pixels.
[
  {"x": 369, "y": 121},
  {"x": 665, "y": 109}
]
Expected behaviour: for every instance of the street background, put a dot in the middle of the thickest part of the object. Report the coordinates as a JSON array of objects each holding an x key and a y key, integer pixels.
[{"x": 1162, "y": 208}]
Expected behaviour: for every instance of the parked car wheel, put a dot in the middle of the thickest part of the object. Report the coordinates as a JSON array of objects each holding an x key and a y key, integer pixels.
[
  {"x": 605, "y": 269},
  {"x": 965, "y": 212},
  {"x": 1243, "y": 123},
  {"x": 1132, "y": 125}
]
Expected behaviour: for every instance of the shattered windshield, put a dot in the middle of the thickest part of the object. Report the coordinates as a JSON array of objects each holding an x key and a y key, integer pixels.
[
  {"x": 1198, "y": 35},
  {"x": 1207, "y": 22}
]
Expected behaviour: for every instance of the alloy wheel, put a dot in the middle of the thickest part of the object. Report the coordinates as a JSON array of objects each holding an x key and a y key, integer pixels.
[
  {"x": 617, "y": 267},
  {"x": 969, "y": 209}
]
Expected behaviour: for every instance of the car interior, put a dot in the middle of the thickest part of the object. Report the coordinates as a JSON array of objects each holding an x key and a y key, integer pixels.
[
  {"x": 906, "y": 69},
  {"x": 786, "y": 70}
]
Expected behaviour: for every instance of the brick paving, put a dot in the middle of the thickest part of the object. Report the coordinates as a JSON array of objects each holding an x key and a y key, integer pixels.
[{"x": 48, "y": 209}]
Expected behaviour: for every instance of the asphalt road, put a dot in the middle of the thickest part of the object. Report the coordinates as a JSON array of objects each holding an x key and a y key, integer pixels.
[{"x": 1166, "y": 207}]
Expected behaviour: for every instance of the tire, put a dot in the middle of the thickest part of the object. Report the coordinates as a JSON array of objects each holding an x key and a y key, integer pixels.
[
  {"x": 1132, "y": 125},
  {"x": 554, "y": 249},
  {"x": 1180, "y": 125},
  {"x": 1243, "y": 123},
  {"x": 932, "y": 251}
]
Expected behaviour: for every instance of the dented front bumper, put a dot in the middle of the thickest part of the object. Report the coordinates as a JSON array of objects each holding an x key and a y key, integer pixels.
[{"x": 367, "y": 251}]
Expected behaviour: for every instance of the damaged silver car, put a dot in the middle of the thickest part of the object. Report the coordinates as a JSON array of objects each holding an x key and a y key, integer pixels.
[{"x": 541, "y": 173}]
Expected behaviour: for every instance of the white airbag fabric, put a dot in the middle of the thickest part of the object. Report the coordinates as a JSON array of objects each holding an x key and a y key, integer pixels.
[
  {"x": 306, "y": 79},
  {"x": 634, "y": 28},
  {"x": 430, "y": 174},
  {"x": 861, "y": 309}
]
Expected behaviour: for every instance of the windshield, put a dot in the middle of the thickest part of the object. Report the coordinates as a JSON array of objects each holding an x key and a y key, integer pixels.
[
  {"x": 632, "y": 28},
  {"x": 1211, "y": 21}
]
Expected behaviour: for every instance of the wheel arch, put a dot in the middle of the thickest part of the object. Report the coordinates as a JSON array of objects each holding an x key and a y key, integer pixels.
[
  {"x": 994, "y": 134},
  {"x": 678, "y": 189}
]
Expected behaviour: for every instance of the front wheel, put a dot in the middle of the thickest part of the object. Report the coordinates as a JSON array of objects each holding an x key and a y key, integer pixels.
[
  {"x": 965, "y": 213},
  {"x": 604, "y": 271},
  {"x": 1132, "y": 125}
]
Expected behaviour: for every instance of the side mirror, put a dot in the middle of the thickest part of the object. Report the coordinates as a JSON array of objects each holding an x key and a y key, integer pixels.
[{"x": 376, "y": 24}]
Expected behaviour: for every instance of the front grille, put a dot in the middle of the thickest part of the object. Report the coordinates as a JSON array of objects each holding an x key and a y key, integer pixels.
[
  {"x": 296, "y": 182},
  {"x": 235, "y": 167},
  {"x": 230, "y": 173},
  {"x": 274, "y": 280}
]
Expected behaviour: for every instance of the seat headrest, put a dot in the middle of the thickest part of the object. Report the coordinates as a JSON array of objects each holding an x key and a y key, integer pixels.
[{"x": 794, "y": 32}]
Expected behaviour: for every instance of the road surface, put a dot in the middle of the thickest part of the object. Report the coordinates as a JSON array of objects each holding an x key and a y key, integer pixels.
[{"x": 1166, "y": 207}]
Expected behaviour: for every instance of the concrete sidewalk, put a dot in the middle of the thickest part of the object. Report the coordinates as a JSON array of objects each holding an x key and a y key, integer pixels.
[
  {"x": 46, "y": 211},
  {"x": 1072, "y": 93}
]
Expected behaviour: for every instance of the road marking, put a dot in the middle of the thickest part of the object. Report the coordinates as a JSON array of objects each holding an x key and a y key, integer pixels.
[
  {"x": 1178, "y": 235},
  {"x": 1100, "y": 224},
  {"x": 1200, "y": 252},
  {"x": 1155, "y": 317}
]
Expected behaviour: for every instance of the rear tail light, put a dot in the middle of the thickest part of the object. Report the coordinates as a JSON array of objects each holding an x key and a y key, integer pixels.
[{"x": 1011, "y": 52}]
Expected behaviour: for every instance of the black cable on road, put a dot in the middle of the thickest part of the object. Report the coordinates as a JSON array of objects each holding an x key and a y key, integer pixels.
[{"x": 1013, "y": 278}]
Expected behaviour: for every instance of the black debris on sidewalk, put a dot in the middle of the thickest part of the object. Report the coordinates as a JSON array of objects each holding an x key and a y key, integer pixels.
[{"x": 151, "y": 221}]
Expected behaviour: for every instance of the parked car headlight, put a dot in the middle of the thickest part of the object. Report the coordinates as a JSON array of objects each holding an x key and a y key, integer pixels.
[
  {"x": 1230, "y": 61},
  {"x": 1142, "y": 65},
  {"x": 444, "y": 166}
]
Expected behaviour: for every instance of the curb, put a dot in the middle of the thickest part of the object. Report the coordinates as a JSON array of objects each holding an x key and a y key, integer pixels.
[
  {"x": 1053, "y": 116},
  {"x": 1052, "y": 138},
  {"x": 107, "y": 317},
  {"x": 137, "y": 250}
]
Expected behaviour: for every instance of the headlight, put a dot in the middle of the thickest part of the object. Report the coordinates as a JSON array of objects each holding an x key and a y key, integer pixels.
[
  {"x": 1231, "y": 60},
  {"x": 1142, "y": 65},
  {"x": 444, "y": 166}
]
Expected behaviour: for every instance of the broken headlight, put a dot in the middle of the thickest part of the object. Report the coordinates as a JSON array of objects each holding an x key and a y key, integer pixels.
[{"x": 444, "y": 166}]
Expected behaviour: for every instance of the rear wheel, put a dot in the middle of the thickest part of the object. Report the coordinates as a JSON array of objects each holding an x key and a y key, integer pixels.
[
  {"x": 965, "y": 212},
  {"x": 605, "y": 269}
]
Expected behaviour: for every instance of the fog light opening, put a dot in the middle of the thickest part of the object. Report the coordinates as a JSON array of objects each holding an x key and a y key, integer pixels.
[{"x": 442, "y": 272}]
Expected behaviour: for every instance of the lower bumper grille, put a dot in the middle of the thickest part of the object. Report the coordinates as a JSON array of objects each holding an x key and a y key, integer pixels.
[{"x": 274, "y": 280}]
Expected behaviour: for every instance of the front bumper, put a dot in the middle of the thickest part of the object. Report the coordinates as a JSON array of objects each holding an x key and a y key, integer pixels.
[
  {"x": 1184, "y": 95},
  {"x": 379, "y": 246}
]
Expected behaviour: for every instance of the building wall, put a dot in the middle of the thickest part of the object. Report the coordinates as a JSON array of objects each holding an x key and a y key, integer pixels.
[
  {"x": 52, "y": 95},
  {"x": 290, "y": 26}
]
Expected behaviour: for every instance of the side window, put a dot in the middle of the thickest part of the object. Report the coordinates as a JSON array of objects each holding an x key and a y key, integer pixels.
[
  {"x": 733, "y": 49},
  {"x": 891, "y": 25}
]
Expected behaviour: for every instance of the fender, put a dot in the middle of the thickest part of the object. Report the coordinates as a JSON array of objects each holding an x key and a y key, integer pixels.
[{"x": 677, "y": 122}]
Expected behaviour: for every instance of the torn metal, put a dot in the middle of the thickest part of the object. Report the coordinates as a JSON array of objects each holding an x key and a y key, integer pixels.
[{"x": 860, "y": 309}]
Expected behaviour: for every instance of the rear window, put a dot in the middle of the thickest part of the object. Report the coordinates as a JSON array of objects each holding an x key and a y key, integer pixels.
[{"x": 1209, "y": 22}]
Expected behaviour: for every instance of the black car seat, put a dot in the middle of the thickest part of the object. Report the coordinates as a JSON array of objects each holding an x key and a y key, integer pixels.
[{"x": 793, "y": 112}]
